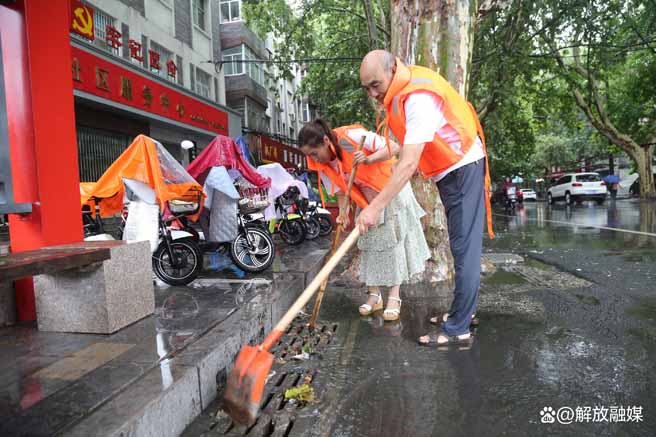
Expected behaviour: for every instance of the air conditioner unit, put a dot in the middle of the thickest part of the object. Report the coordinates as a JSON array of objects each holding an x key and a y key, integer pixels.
[{"x": 292, "y": 117}]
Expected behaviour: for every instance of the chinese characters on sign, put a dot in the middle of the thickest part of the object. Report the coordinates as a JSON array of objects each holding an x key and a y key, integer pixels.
[
  {"x": 275, "y": 151},
  {"x": 98, "y": 76},
  {"x": 135, "y": 50},
  {"x": 101, "y": 79},
  {"x": 153, "y": 57},
  {"x": 113, "y": 37},
  {"x": 172, "y": 69},
  {"x": 126, "y": 88},
  {"x": 113, "y": 40}
]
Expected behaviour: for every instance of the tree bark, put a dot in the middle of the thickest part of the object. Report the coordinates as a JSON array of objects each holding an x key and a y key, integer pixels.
[
  {"x": 438, "y": 34},
  {"x": 371, "y": 24},
  {"x": 642, "y": 157},
  {"x": 384, "y": 24}
]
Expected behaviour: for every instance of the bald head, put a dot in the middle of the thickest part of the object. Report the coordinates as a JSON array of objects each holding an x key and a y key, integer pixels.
[{"x": 376, "y": 73}]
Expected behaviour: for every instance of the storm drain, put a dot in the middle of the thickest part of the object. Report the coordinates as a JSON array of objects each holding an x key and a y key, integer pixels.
[
  {"x": 547, "y": 276},
  {"x": 298, "y": 355}
]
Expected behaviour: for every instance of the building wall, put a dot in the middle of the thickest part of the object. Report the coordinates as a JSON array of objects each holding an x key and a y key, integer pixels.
[{"x": 168, "y": 23}]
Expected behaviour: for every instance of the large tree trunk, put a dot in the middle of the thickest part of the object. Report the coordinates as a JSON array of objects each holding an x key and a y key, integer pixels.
[
  {"x": 642, "y": 156},
  {"x": 437, "y": 34}
]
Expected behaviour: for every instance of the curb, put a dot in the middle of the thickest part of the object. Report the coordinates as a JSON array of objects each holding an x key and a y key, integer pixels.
[{"x": 169, "y": 397}]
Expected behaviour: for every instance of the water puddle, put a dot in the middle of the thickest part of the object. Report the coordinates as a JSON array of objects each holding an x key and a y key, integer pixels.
[{"x": 503, "y": 277}]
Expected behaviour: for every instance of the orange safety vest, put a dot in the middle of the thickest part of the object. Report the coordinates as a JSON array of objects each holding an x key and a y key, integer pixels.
[
  {"x": 374, "y": 175},
  {"x": 437, "y": 155}
]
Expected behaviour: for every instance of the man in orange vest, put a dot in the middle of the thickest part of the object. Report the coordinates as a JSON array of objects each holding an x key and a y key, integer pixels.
[{"x": 441, "y": 137}]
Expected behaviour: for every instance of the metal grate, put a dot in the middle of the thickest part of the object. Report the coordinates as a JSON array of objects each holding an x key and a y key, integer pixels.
[
  {"x": 278, "y": 415},
  {"x": 97, "y": 150}
]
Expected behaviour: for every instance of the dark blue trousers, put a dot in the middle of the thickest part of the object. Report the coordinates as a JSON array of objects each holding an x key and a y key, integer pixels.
[{"x": 462, "y": 192}]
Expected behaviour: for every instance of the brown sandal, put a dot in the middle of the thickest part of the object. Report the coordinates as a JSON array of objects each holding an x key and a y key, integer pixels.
[{"x": 451, "y": 340}]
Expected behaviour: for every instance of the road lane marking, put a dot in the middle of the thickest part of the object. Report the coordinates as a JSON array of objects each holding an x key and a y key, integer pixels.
[{"x": 628, "y": 231}]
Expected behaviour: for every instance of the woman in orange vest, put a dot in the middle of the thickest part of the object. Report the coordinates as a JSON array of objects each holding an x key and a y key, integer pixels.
[{"x": 395, "y": 251}]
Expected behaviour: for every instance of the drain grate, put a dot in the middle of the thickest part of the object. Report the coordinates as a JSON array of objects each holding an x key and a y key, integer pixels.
[
  {"x": 547, "y": 277},
  {"x": 277, "y": 414}
]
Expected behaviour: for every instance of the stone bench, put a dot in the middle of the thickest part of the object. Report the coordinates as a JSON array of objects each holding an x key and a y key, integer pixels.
[{"x": 87, "y": 287}]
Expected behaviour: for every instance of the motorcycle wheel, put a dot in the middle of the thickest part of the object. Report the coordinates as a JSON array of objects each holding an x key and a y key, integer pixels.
[
  {"x": 312, "y": 228},
  {"x": 326, "y": 224},
  {"x": 292, "y": 231},
  {"x": 190, "y": 262},
  {"x": 253, "y": 250}
]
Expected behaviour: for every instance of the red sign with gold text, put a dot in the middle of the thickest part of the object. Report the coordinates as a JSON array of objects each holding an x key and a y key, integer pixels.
[
  {"x": 82, "y": 19},
  {"x": 100, "y": 77},
  {"x": 275, "y": 151}
]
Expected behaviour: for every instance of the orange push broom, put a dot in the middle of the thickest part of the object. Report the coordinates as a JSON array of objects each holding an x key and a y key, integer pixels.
[
  {"x": 338, "y": 232},
  {"x": 245, "y": 385}
]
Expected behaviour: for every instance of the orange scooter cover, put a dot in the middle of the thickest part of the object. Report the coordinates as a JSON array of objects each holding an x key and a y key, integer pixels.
[{"x": 147, "y": 161}]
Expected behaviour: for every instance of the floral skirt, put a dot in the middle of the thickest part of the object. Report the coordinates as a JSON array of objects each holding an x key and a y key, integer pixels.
[{"x": 395, "y": 252}]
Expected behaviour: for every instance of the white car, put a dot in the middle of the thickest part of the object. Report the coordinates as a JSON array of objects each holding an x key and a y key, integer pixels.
[
  {"x": 529, "y": 194},
  {"x": 577, "y": 187}
]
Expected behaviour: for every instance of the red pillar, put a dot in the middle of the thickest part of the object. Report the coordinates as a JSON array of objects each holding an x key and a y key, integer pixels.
[{"x": 36, "y": 53}]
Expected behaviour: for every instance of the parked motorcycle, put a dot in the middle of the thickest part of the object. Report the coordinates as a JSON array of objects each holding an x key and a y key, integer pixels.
[
  {"x": 323, "y": 216},
  {"x": 178, "y": 259},
  {"x": 290, "y": 226},
  {"x": 253, "y": 249},
  {"x": 312, "y": 225}
]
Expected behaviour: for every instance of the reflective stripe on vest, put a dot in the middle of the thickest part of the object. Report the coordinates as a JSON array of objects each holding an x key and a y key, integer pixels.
[{"x": 437, "y": 155}]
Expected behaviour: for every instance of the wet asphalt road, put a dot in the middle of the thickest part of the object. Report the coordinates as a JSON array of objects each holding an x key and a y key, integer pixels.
[{"x": 582, "y": 336}]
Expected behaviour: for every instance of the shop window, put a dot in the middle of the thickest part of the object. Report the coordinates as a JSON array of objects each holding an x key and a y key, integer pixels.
[
  {"x": 200, "y": 13},
  {"x": 203, "y": 83},
  {"x": 230, "y": 10},
  {"x": 97, "y": 150}
]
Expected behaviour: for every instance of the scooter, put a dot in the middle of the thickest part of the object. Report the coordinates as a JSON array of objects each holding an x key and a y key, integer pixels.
[
  {"x": 510, "y": 199},
  {"x": 177, "y": 259},
  {"x": 324, "y": 217},
  {"x": 311, "y": 222}
]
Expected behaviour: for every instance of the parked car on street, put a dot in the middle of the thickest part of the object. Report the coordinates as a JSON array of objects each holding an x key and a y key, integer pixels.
[
  {"x": 529, "y": 194},
  {"x": 577, "y": 187},
  {"x": 634, "y": 190}
]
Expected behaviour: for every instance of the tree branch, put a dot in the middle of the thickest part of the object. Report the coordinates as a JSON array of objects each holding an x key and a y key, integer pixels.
[
  {"x": 362, "y": 17},
  {"x": 602, "y": 123}
]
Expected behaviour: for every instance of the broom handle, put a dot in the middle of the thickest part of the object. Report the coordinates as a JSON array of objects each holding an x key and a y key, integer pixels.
[
  {"x": 317, "y": 303},
  {"x": 311, "y": 289},
  {"x": 352, "y": 177}
]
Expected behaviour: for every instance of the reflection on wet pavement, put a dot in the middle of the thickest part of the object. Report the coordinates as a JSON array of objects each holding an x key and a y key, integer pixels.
[
  {"x": 62, "y": 376},
  {"x": 572, "y": 326}
]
